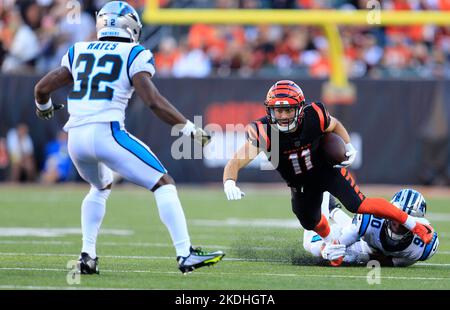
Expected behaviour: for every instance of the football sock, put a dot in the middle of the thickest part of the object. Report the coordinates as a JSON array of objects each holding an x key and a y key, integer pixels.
[
  {"x": 172, "y": 215},
  {"x": 309, "y": 246},
  {"x": 323, "y": 229},
  {"x": 383, "y": 208},
  {"x": 92, "y": 213},
  {"x": 325, "y": 204}
]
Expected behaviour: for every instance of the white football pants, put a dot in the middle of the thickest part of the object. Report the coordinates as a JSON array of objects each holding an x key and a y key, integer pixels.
[{"x": 97, "y": 149}]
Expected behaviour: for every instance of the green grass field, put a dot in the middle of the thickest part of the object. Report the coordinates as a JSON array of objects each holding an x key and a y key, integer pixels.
[{"x": 39, "y": 235}]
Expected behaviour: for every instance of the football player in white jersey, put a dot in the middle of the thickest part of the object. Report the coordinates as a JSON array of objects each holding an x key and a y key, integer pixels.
[
  {"x": 104, "y": 75},
  {"x": 367, "y": 237}
]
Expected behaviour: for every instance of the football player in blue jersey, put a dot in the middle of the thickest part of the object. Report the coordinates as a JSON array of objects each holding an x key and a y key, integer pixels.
[
  {"x": 368, "y": 237},
  {"x": 104, "y": 75}
]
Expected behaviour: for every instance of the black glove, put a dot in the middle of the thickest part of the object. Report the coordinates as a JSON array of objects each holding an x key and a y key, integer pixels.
[{"x": 48, "y": 113}]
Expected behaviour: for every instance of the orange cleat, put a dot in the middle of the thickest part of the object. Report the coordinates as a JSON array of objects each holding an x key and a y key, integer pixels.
[{"x": 424, "y": 231}]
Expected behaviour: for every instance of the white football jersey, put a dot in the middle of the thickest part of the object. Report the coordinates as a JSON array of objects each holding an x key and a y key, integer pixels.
[
  {"x": 102, "y": 72},
  {"x": 370, "y": 228}
]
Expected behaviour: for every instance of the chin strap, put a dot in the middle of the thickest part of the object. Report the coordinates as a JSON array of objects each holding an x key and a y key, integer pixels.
[{"x": 292, "y": 126}]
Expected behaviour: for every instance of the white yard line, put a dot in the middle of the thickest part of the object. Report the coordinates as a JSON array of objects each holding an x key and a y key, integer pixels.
[
  {"x": 144, "y": 244},
  {"x": 218, "y": 274},
  {"x": 45, "y": 242},
  {"x": 132, "y": 244},
  {"x": 56, "y": 232},
  {"x": 171, "y": 258},
  {"x": 124, "y": 256},
  {"x": 281, "y": 223},
  {"x": 431, "y": 264}
]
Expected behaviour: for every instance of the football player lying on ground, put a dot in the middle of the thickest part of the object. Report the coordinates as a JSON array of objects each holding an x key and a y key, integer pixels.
[
  {"x": 290, "y": 134},
  {"x": 368, "y": 237}
]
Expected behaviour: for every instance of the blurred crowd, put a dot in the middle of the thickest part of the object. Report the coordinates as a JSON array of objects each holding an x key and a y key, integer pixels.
[
  {"x": 18, "y": 159},
  {"x": 34, "y": 34}
]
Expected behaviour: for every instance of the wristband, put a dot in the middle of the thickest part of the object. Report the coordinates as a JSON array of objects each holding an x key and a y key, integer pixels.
[{"x": 45, "y": 106}]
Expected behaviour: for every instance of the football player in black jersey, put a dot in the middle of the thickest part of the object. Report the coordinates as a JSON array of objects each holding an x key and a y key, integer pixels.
[{"x": 289, "y": 135}]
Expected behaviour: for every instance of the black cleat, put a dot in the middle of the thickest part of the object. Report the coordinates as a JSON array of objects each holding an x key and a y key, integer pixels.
[
  {"x": 197, "y": 258},
  {"x": 87, "y": 265}
]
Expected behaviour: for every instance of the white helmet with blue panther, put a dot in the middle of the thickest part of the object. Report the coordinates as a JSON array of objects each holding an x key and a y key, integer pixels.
[
  {"x": 413, "y": 203},
  {"x": 118, "y": 19}
]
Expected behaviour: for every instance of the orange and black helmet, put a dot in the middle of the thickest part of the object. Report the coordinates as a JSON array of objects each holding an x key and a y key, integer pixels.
[{"x": 284, "y": 94}]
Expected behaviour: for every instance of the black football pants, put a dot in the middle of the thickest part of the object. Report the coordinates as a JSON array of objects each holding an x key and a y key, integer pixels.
[{"x": 306, "y": 198}]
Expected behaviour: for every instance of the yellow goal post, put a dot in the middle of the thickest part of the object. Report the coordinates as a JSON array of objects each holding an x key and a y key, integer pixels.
[{"x": 327, "y": 19}]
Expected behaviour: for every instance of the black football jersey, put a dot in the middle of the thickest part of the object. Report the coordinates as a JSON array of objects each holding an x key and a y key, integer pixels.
[{"x": 294, "y": 154}]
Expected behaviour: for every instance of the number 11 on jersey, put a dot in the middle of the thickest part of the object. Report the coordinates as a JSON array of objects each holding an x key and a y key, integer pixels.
[{"x": 306, "y": 156}]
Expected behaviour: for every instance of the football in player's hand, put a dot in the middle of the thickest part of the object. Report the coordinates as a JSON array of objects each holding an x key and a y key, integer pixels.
[{"x": 333, "y": 148}]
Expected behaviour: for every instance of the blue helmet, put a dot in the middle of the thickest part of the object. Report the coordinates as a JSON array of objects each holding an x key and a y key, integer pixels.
[{"x": 118, "y": 19}]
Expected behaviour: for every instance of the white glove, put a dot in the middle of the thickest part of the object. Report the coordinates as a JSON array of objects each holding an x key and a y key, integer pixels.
[
  {"x": 332, "y": 251},
  {"x": 196, "y": 133},
  {"x": 232, "y": 191},
  {"x": 350, "y": 152}
]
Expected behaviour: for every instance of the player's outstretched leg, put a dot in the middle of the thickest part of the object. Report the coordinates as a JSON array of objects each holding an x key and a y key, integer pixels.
[
  {"x": 172, "y": 215},
  {"x": 343, "y": 186},
  {"x": 383, "y": 208},
  {"x": 92, "y": 213},
  {"x": 323, "y": 229}
]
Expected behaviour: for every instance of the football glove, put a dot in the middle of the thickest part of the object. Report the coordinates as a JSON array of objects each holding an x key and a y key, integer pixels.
[
  {"x": 232, "y": 191},
  {"x": 332, "y": 251},
  {"x": 47, "y": 113},
  {"x": 350, "y": 152},
  {"x": 196, "y": 133},
  {"x": 201, "y": 136}
]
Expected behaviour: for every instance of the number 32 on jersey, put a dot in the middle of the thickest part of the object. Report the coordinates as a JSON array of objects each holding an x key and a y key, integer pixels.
[{"x": 85, "y": 76}]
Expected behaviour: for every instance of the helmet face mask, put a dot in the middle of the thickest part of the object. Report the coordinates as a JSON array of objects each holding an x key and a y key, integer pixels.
[
  {"x": 117, "y": 19},
  {"x": 284, "y": 94},
  {"x": 285, "y": 124},
  {"x": 396, "y": 232},
  {"x": 411, "y": 202}
]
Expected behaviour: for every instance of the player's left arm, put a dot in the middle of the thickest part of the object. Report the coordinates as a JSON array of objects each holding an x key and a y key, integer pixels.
[
  {"x": 334, "y": 125},
  {"x": 389, "y": 261},
  {"x": 141, "y": 71},
  {"x": 382, "y": 259},
  {"x": 400, "y": 262},
  {"x": 54, "y": 80},
  {"x": 150, "y": 95},
  {"x": 164, "y": 110},
  {"x": 339, "y": 129}
]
